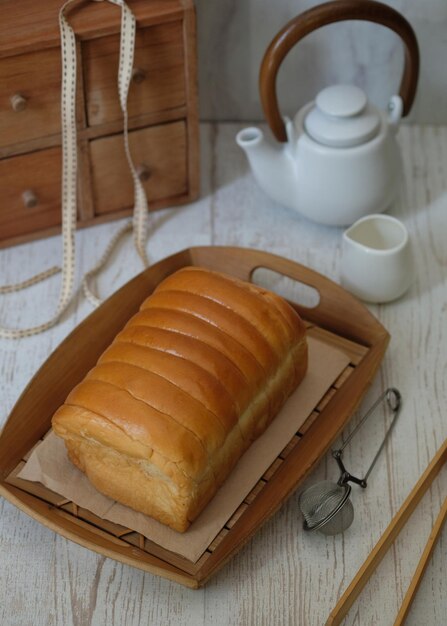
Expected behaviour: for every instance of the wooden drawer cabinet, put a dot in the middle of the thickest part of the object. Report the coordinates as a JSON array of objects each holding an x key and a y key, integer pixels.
[
  {"x": 31, "y": 192},
  {"x": 162, "y": 107},
  {"x": 160, "y": 156}
]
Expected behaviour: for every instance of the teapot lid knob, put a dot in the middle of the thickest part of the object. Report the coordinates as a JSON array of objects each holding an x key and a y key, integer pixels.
[
  {"x": 341, "y": 100},
  {"x": 342, "y": 117}
]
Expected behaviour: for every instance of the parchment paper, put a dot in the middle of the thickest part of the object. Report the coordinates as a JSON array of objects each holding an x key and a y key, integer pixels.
[{"x": 49, "y": 465}]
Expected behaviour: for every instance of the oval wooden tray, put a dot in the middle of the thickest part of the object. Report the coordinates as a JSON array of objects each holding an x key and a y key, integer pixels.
[{"x": 338, "y": 319}]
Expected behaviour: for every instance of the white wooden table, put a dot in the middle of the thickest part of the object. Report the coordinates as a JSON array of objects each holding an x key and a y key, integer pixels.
[{"x": 282, "y": 576}]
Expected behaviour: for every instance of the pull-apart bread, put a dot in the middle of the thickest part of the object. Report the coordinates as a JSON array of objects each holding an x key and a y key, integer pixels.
[{"x": 184, "y": 389}]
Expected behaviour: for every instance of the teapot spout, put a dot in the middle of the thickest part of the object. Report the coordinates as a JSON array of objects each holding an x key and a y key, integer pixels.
[{"x": 272, "y": 165}]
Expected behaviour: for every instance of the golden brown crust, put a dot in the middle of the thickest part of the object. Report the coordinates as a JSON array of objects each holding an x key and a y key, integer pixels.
[
  {"x": 228, "y": 321},
  {"x": 245, "y": 299},
  {"x": 199, "y": 353},
  {"x": 194, "y": 377},
  {"x": 186, "y": 324},
  {"x": 190, "y": 377}
]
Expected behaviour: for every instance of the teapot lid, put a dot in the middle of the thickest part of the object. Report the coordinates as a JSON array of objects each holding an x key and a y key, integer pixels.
[{"x": 342, "y": 117}]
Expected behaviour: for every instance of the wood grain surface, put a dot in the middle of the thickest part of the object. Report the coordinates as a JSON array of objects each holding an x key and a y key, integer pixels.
[
  {"x": 159, "y": 85},
  {"x": 36, "y": 175},
  {"x": 282, "y": 576},
  {"x": 160, "y": 151},
  {"x": 36, "y": 78},
  {"x": 28, "y": 26}
]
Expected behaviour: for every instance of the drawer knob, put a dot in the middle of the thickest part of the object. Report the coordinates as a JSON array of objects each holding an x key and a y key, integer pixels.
[
  {"x": 138, "y": 75},
  {"x": 143, "y": 172},
  {"x": 29, "y": 199},
  {"x": 18, "y": 102}
]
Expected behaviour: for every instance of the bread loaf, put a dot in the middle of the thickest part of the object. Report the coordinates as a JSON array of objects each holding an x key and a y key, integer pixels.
[{"x": 188, "y": 384}]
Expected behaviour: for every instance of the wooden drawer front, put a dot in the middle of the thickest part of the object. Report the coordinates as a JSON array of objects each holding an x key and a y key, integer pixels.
[
  {"x": 159, "y": 150},
  {"x": 29, "y": 96},
  {"x": 158, "y": 82},
  {"x": 33, "y": 179}
]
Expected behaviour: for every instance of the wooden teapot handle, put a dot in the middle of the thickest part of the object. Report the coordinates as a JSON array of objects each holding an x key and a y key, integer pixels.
[{"x": 322, "y": 15}]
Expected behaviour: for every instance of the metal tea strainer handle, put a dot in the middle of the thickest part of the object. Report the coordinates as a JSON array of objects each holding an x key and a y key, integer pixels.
[{"x": 394, "y": 401}]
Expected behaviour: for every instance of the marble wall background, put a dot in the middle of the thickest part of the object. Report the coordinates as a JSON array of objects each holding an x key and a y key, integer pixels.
[{"x": 233, "y": 35}]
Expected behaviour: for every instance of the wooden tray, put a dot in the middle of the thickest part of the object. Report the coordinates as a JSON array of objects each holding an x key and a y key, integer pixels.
[{"x": 338, "y": 319}]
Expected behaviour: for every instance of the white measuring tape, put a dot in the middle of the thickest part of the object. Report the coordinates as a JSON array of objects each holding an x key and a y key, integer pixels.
[{"x": 69, "y": 174}]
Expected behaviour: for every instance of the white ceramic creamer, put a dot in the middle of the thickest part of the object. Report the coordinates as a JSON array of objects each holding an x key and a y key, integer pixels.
[{"x": 377, "y": 264}]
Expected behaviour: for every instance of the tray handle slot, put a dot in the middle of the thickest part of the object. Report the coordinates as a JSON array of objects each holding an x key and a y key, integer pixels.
[
  {"x": 326, "y": 297},
  {"x": 337, "y": 310},
  {"x": 290, "y": 288}
]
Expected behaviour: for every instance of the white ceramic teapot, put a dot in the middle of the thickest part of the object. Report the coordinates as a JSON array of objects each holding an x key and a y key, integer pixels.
[{"x": 338, "y": 160}]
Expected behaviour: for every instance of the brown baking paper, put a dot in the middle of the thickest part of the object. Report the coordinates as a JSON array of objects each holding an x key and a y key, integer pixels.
[{"x": 49, "y": 465}]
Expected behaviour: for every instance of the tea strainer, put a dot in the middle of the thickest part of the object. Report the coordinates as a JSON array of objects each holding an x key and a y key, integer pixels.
[{"x": 326, "y": 506}]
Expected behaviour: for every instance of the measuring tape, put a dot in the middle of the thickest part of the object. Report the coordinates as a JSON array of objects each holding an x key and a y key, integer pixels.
[{"x": 70, "y": 170}]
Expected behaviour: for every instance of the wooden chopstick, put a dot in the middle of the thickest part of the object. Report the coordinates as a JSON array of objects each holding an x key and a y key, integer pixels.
[
  {"x": 422, "y": 566},
  {"x": 394, "y": 527}
]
